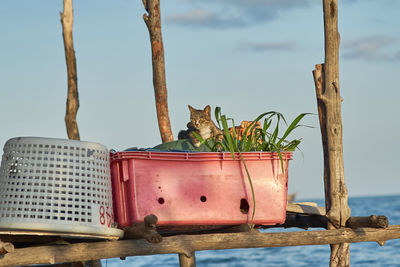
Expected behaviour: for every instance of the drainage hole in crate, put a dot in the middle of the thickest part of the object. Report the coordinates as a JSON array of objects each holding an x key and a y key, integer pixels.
[
  {"x": 161, "y": 200},
  {"x": 203, "y": 199},
  {"x": 244, "y": 206}
]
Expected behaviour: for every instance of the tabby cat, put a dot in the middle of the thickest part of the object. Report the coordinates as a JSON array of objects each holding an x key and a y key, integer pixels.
[{"x": 201, "y": 123}]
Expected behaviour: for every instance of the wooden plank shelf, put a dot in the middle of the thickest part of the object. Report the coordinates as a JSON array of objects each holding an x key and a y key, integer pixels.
[{"x": 308, "y": 208}]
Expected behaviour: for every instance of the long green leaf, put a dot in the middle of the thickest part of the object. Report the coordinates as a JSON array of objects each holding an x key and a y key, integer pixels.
[
  {"x": 276, "y": 131},
  {"x": 280, "y": 157},
  {"x": 291, "y": 127},
  {"x": 251, "y": 187},
  {"x": 228, "y": 136},
  {"x": 217, "y": 114}
]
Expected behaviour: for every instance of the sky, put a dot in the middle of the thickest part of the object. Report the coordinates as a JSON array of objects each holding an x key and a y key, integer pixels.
[{"x": 247, "y": 57}]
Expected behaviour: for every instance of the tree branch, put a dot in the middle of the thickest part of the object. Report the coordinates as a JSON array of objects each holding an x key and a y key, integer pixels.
[
  {"x": 153, "y": 23},
  {"x": 72, "y": 97}
]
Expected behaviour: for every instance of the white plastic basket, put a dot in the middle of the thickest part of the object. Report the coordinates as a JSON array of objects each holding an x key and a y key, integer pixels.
[{"x": 56, "y": 185}]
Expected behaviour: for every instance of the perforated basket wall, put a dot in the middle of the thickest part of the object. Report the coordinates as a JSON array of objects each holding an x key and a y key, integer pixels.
[{"x": 56, "y": 185}]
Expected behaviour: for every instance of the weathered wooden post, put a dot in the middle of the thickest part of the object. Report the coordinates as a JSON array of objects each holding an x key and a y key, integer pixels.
[
  {"x": 185, "y": 261},
  {"x": 67, "y": 20},
  {"x": 326, "y": 77},
  {"x": 153, "y": 23}
]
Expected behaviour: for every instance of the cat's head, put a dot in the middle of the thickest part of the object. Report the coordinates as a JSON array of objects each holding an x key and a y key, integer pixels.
[{"x": 200, "y": 118}]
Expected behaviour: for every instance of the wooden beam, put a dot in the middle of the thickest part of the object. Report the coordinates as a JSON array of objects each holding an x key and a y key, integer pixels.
[
  {"x": 315, "y": 217},
  {"x": 371, "y": 221},
  {"x": 187, "y": 244},
  {"x": 305, "y": 221},
  {"x": 309, "y": 221}
]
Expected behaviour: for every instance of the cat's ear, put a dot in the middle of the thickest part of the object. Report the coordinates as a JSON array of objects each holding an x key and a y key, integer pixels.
[
  {"x": 191, "y": 108},
  {"x": 207, "y": 110}
]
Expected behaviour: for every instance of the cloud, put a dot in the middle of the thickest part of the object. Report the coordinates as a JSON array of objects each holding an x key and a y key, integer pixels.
[
  {"x": 267, "y": 46},
  {"x": 371, "y": 48},
  {"x": 234, "y": 13},
  {"x": 383, "y": 2},
  {"x": 397, "y": 56},
  {"x": 203, "y": 18},
  {"x": 240, "y": 13}
]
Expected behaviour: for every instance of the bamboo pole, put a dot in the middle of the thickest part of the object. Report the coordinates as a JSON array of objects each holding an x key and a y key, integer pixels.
[
  {"x": 72, "y": 106},
  {"x": 186, "y": 244},
  {"x": 326, "y": 78},
  {"x": 153, "y": 23}
]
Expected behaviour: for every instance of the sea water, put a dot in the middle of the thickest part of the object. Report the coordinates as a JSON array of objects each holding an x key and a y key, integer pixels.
[{"x": 361, "y": 254}]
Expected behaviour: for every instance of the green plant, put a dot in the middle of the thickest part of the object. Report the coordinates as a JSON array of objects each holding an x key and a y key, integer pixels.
[{"x": 255, "y": 139}]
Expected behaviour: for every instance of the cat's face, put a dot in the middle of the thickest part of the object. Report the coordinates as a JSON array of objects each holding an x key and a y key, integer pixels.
[{"x": 200, "y": 118}]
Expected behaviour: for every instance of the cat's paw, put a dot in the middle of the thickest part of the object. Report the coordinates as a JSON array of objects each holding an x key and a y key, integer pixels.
[{"x": 196, "y": 143}]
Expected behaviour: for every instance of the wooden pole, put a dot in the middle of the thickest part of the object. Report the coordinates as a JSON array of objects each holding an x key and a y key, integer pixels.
[
  {"x": 308, "y": 221},
  {"x": 67, "y": 21},
  {"x": 371, "y": 221},
  {"x": 326, "y": 78},
  {"x": 72, "y": 106},
  {"x": 153, "y": 23},
  {"x": 186, "y": 244},
  {"x": 185, "y": 261}
]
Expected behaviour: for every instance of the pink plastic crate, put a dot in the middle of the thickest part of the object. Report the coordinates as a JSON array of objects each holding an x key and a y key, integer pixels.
[{"x": 198, "y": 188}]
